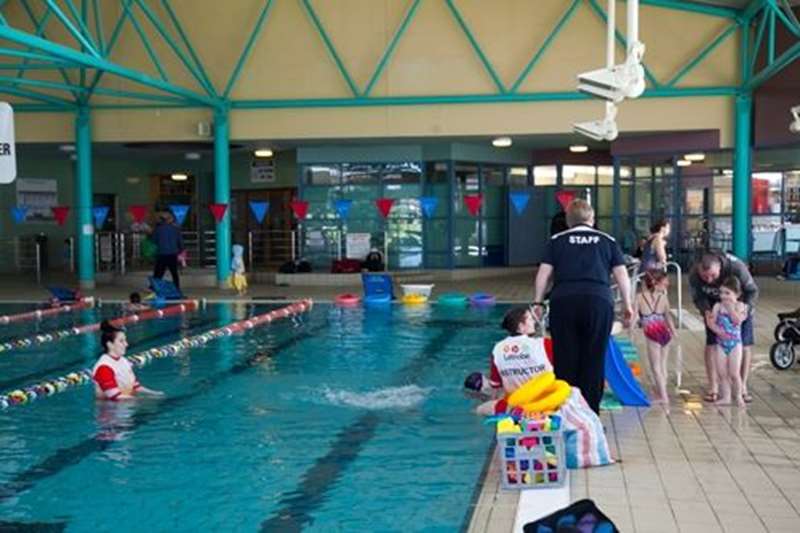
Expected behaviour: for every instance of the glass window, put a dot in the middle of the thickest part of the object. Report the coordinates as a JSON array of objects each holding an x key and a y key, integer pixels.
[
  {"x": 792, "y": 192},
  {"x": 643, "y": 195},
  {"x": 545, "y": 175},
  {"x": 766, "y": 192},
  {"x": 356, "y": 173},
  {"x": 518, "y": 177},
  {"x": 723, "y": 195},
  {"x": 605, "y": 175},
  {"x": 467, "y": 182},
  {"x": 397, "y": 173},
  {"x": 644, "y": 172},
  {"x": 494, "y": 197},
  {"x": 694, "y": 201},
  {"x": 578, "y": 174},
  {"x": 321, "y": 175}
]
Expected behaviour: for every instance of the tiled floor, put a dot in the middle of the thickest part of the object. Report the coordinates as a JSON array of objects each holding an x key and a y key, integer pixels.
[{"x": 698, "y": 468}]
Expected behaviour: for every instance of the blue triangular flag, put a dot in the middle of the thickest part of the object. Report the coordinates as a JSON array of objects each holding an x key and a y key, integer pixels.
[
  {"x": 428, "y": 204},
  {"x": 100, "y": 213},
  {"x": 180, "y": 211},
  {"x": 519, "y": 199},
  {"x": 259, "y": 209},
  {"x": 343, "y": 207},
  {"x": 19, "y": 213}
]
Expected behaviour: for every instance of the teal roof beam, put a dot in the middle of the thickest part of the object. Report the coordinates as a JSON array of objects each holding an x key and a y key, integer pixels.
[
  {"x": 86, "y": 60},
  {"x": 702, "y": 55},
  {"x": 623, "y": 41},
  {"x": 65, "y": 105},
  {"x": 789, "y": 24},
  {"x": 50, "y": 65},
  {"x": 195, "y": 72},
  {"x": 387, "y": 54},
  {"x": 188, "y": 44},
  {"x": 329, "y": 45},
  {"x": 752, "y": 9},
  {"x": 547, "y": 42},
  {"x": 757, "y": 46},
  {"x": 781, "y": 62},
  {"x": 3, "y": 20},
  {"x": 98, "y": 27},
  {"x": 475, "y": 46},
  {"x": 664, "y": 92},
  {"x": 80, "y": 18},
  {"x": 692, "y": 7},
  {"x": 145, "y": 41},
  {"x": 115, "y": 33},
  {"x": 262, "y": 17},
  {"x": 37, "y": 108},
  {"x": 88, "y": 46},
  {"x": 771, "y": 41}
]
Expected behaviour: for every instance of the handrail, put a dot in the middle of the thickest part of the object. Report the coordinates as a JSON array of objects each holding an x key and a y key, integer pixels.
[{"x": 679, "y": 274}]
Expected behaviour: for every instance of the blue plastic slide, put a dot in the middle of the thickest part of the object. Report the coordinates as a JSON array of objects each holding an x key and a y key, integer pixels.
[{"x": 621, "y": 380}]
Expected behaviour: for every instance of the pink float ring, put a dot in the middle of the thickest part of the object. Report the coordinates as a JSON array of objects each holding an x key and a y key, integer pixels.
[{"x": 348, "y": 300}]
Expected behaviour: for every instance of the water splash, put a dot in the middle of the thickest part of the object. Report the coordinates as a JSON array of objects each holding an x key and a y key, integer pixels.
[{"x": 385, "y": 398}]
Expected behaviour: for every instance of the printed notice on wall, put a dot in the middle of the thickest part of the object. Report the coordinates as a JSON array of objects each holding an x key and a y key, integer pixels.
[
  {"x": 39, "y": 196},
  {"x": 358, "y": 245},
  {"x": 8, "y": 157},
  {"x": 262, "y": 170}
]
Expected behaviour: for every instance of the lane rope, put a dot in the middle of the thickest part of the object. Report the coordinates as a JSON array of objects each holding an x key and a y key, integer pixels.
[{"x": 85, "y": 303}]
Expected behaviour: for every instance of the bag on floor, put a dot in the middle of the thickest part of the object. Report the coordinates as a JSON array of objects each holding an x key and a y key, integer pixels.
[
  {"x": 585, "y": 441},
  {"x": 582, "y": 515}
]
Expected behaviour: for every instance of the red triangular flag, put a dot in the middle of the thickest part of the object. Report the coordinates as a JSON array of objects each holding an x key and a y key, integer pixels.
[
  {"x": 384, "y": 205},
  {"x": 564, "y": 198},
  {"x": 473, "y": 203},
  {"x": 138, "y": 213},
  {"x": 300, "y": 208},
  {"x": 60, "y": 213},
  {"x": 218, "y": 210}
]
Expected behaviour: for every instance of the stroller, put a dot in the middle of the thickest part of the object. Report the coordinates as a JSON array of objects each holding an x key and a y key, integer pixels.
[{"x": 787, "y": 336}]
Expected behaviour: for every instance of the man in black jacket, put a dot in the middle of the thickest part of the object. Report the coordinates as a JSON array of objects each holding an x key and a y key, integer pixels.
[{"x": 704, "y": 281}]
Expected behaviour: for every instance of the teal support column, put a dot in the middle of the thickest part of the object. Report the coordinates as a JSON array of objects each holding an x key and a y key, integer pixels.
[
  {"x": 222, "y": 193},
  {"x": 741, "y": 177},
  {"x": 84, "y": 226}
]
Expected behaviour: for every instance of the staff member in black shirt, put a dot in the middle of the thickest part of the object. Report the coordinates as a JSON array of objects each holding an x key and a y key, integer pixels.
[{"x": 581, "y": 304}]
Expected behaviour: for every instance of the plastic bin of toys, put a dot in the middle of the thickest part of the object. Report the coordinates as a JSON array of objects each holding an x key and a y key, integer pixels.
[{"x": 531, "y": 453}]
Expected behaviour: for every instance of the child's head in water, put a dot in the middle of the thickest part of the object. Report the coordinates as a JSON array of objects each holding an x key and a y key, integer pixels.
[
  {"x": 135, "y": 298},
  {"x": 519, "y": 321}
]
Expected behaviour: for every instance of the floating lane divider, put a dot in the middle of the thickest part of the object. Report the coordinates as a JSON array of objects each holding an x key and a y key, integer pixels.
[
  {"x": 84, "y": 376},
  {"x": 85, "y": 303},
  {"x": 44, "y": 338}
]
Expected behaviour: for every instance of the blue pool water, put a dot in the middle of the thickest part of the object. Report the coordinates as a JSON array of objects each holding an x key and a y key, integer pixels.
[{"x": 342, "y": 420}]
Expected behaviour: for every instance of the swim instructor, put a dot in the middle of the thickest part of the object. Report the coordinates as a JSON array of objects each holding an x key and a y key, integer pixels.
[{"x": 578, "y": 262}]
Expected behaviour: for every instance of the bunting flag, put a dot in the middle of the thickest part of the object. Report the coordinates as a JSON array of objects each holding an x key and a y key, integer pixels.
[
  {"x": 564, "y": 198},
  {"x": 179, "y": 211},
  {"x": 343, "y": 207},
  {"x": 19, "y": 213},
  {"x": 473, "y": 203},
  {"x": 384, "y": 205},
  {"x": 429, "y": 204},
  {"x": 259, "y": 209},
  {"x": 519, "y": 199},
  {"x": 300, "y": 208},
  {"x": 60, "y": 213},
  {"x": 138, "y": 213},
  {"x": 100, "y": 214},
  {"x": 218, "y": 210}
]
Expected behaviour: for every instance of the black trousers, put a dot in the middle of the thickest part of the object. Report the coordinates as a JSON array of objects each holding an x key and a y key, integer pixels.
[
  {"x": 164, "y": 262},
  {"x": 580, "y": 326}
]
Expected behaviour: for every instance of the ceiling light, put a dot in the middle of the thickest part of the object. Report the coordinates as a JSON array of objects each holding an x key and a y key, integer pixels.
[
  {"x": 67, "y": 147},
  {"x": 684, "y": 162},
  {"x": 501, "y": 142},
  {"x": 578, "y": 148},
  {"x": 192, "y": 156},
  {"x": 698, "y": 156},
  {"x": 179, "y": 177},
  {"x": 263, "y": 152}
]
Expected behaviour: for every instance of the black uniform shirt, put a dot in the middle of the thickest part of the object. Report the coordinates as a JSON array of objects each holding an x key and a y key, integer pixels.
[{"x": 582, "y": 258}]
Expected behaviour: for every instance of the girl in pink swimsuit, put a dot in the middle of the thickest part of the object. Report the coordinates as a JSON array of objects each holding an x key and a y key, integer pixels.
[{"x": 652, "y": 305}]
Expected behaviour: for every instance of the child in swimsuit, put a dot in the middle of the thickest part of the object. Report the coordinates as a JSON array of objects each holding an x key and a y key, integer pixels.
[
  {"x": 726, "y": 323},
  {"x": 652, "y": 305}
]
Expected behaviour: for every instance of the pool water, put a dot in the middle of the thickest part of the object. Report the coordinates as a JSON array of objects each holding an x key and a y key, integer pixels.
[{"x": 340, "y": 420}]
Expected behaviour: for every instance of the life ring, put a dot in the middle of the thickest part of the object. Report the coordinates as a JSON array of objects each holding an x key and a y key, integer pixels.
[
  {"x": 552, "y": 398},
  {"x": 347, "y": 300},
  {"x": 482, "y": 299},
  {"x": 414, "y": 299},
  {"x": 454, "y": 299},
  {"x": 378, "y": 299},
  {"x": 532, "y": 389}
]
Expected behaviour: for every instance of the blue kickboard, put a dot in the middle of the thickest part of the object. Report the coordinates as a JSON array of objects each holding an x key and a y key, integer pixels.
[{"x": 621, "y": 380}]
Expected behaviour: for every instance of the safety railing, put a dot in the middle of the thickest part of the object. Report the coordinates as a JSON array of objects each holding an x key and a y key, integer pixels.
[
  {"x": 23, "y": 254},
  {"x": 268, "y": 249}
]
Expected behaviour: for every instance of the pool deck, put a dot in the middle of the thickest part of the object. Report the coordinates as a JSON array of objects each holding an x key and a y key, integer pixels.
[{"x": 699, "y": 468}]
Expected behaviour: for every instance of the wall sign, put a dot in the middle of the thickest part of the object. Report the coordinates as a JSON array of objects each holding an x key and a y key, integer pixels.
[
  {"x": 8, "y": 154},
  {"x": 262, "y": 170}
]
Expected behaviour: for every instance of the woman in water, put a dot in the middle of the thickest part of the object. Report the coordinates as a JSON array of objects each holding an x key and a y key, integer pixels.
[{"x": 113, "y": 374}]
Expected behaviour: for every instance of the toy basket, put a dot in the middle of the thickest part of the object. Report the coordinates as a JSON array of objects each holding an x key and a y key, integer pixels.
[
  {"x": 532, "y": 459},
  {"x": 421, "y": 290}
]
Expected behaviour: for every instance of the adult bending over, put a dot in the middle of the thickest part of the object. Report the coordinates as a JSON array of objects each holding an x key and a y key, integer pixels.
[
  {"x": 705, "y": 281},
  {"x": 578, "y": 261}
]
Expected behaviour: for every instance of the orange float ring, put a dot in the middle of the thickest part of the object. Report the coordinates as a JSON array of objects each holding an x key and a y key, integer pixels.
[{"x": 347, "y": 300}]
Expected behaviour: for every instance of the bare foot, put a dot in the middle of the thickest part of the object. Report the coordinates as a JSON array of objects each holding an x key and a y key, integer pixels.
[
  {"x": 740, "y": 402},
  {"x": 723, "y": 401}
]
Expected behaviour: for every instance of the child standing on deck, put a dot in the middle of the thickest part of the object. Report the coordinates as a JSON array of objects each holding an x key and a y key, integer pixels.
[
  {"x": 726, "y": 323},
  {"x": 652, "y": 306},
  {"x": 238, "y": 279}
]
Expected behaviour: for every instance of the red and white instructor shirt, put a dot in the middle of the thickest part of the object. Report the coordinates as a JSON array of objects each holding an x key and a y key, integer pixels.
[
  {"x": 113, "y": 377},
  {"x": 517, "y": 359}
]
